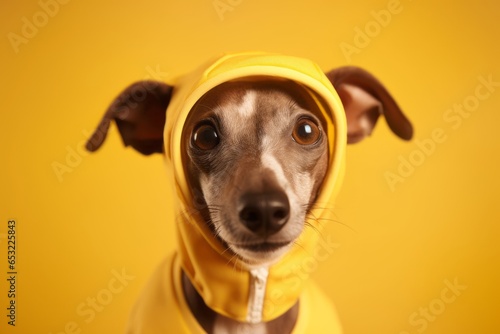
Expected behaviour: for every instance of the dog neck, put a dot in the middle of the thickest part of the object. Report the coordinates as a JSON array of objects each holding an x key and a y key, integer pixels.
[{"x": 212, "y": 322}]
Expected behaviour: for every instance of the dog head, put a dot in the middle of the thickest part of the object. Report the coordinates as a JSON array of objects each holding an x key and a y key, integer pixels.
[{"x": 255, "y": 149}]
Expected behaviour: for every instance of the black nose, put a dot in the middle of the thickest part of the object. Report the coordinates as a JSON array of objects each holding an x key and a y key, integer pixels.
[{"x": 264, "y": 213}]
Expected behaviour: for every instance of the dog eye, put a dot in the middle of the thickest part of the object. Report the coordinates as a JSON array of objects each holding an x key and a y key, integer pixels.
[
  {"x": 306, "y": 132},
  {"x": 206, "y": 137}
]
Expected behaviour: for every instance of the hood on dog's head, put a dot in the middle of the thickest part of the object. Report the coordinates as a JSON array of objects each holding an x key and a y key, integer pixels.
[{"x": 221, "y": 279}]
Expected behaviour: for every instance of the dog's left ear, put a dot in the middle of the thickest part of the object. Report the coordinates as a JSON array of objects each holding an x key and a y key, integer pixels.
[
  {"x": 365, "y": 99},
  {"x": 140, "y": 113}
]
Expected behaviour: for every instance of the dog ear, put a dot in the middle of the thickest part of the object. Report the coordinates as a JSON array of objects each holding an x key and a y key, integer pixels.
[
  {"x": 140, "y": 113},
  {"x": 364, "y": 99}
]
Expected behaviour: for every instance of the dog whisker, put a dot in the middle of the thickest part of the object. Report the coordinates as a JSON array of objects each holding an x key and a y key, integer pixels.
[
  {"x": 338, "y": 222},
  {"x": 227, "y": 249},
  {"x": 236, "y": 266},
  {"x": 314, "y": 228},
  {"x": 188, "y": 214},
  {"x": 296, "y": 243},
  {"x": 311, "y": 216},
  {"x": 320, "y": 220},
  {"x": 232, "y": 258},
  {"x": 319, "y": 205}
]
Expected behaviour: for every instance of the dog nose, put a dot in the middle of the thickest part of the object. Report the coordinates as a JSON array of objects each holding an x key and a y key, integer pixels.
[{"x": 264, "y": 213}]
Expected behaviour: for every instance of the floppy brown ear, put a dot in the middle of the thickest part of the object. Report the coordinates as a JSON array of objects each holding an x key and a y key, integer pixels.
[
  {"x": 365, "y": 99},
  {"x": 140, "y": 113}
]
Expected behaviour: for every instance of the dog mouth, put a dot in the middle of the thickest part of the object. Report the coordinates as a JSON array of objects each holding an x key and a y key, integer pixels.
[
  {"x": 264, "y": 247},
  {"x": 261, "y": 253}
]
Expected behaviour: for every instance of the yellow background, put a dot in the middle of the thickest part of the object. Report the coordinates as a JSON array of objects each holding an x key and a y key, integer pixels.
[{"x": 112, "y": 210}]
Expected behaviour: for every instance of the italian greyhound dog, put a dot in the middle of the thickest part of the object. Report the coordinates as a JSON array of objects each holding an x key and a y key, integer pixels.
[{"x": 256, "y": 153}]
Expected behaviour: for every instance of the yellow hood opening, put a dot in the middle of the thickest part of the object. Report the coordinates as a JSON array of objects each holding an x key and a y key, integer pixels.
[{"x": 220, "y": 278}]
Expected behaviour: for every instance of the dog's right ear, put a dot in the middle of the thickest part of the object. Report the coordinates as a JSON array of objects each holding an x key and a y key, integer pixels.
[
  {"x": 365, "y": 98},
  {"x": 140, "y": 114}
]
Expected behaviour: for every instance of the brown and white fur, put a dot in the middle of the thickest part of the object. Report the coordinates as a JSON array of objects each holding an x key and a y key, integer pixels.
[{"x": 257, "y": 152}]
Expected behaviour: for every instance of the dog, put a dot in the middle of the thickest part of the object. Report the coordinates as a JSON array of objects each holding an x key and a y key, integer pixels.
[{"x": 253, "y": 154}]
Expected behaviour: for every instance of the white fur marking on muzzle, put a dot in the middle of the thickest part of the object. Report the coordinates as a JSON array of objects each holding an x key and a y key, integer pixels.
[{"x": 269, "y": 161}]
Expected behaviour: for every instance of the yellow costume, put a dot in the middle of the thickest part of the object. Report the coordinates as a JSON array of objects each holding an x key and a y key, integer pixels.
[{"x": 221, "y": 279}]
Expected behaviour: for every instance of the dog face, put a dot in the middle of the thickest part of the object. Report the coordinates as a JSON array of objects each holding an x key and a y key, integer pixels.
[{"x": 257, "y": 152}]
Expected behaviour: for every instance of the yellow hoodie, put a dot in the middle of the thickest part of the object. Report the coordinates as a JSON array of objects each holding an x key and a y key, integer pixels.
[{"x": 222, "y": 280}]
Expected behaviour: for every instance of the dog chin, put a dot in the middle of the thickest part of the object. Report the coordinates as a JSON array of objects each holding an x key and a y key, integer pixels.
[{"x": 263, "y": 254}]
